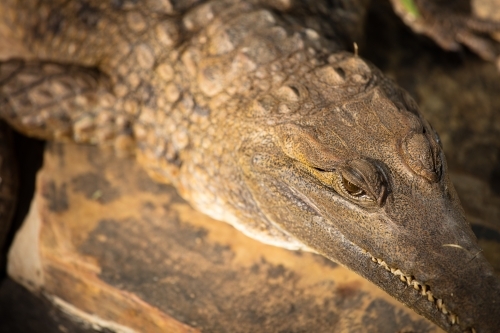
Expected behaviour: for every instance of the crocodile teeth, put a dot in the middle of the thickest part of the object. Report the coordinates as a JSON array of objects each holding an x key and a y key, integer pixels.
[
  {"x": 423, "y": 288},
  {"x": 439, "y": 303},
  {"x": 416, "y": 284}
]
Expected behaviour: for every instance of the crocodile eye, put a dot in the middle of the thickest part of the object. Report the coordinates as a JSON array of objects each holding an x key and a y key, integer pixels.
[
  {"x": 360, "y": 181},
  {"x": 363, "y": 182},
  {"x": 352, "y": 189}
]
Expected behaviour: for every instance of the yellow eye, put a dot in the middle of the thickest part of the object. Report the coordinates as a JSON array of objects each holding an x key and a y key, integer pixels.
[{"x": 352, "y": 189}]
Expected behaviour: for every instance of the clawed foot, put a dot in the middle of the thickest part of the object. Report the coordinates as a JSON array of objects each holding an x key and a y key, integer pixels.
[{"x": 451, "y": 27}]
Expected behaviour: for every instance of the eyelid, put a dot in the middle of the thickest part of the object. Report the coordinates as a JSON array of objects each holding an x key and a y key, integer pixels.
[
  {"x": 368, "y": 175},
  {"x": 353, "y": 177},
  {"x": 373, "y": 193},
  {"x": 365, "y": 196}
]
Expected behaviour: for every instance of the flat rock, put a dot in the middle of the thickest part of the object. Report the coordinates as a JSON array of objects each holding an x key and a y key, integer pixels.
[{"x": 110, "y": 247}]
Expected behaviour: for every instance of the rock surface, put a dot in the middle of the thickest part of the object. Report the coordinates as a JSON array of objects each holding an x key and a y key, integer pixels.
[{"x": 106, "y": 244}]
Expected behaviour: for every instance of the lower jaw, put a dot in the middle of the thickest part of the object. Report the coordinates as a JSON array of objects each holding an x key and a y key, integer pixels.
[{"x": 448, "y": 317}]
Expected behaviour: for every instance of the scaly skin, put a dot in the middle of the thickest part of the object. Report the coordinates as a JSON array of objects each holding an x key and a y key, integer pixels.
[{"x": 262, "y": 122}]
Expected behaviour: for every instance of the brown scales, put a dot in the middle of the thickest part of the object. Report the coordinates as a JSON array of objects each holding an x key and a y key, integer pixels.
[{"x": 260, "y": 118}]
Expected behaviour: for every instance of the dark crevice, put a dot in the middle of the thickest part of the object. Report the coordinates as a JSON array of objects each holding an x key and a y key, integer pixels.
[
  {"x": 485, "y": 233},
  {"x": 29, "y": 156},
  {"x": 23, "y": 312}
]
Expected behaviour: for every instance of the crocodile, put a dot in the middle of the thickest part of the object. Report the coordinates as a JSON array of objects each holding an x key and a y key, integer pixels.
[{"x": 260, "y": 116}]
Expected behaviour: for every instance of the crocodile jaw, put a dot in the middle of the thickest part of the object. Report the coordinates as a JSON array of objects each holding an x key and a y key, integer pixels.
[
  {"x": 430, "y": 262},
  {"x": 412, "y": 240}
]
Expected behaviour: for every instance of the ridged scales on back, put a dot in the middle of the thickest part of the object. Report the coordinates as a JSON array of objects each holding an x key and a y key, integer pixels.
[
  {"x": 159, "y": 79},
  {"x": 260, "y": 118}
]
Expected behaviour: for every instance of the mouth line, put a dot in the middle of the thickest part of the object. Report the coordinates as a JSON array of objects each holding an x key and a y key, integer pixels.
[
  {"x": 305, "y": 199},
  {"x": 422, "y": 288}
]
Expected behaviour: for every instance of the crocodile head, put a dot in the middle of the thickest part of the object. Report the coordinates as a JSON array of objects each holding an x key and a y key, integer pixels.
[{"x": 363, "y": 181}]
